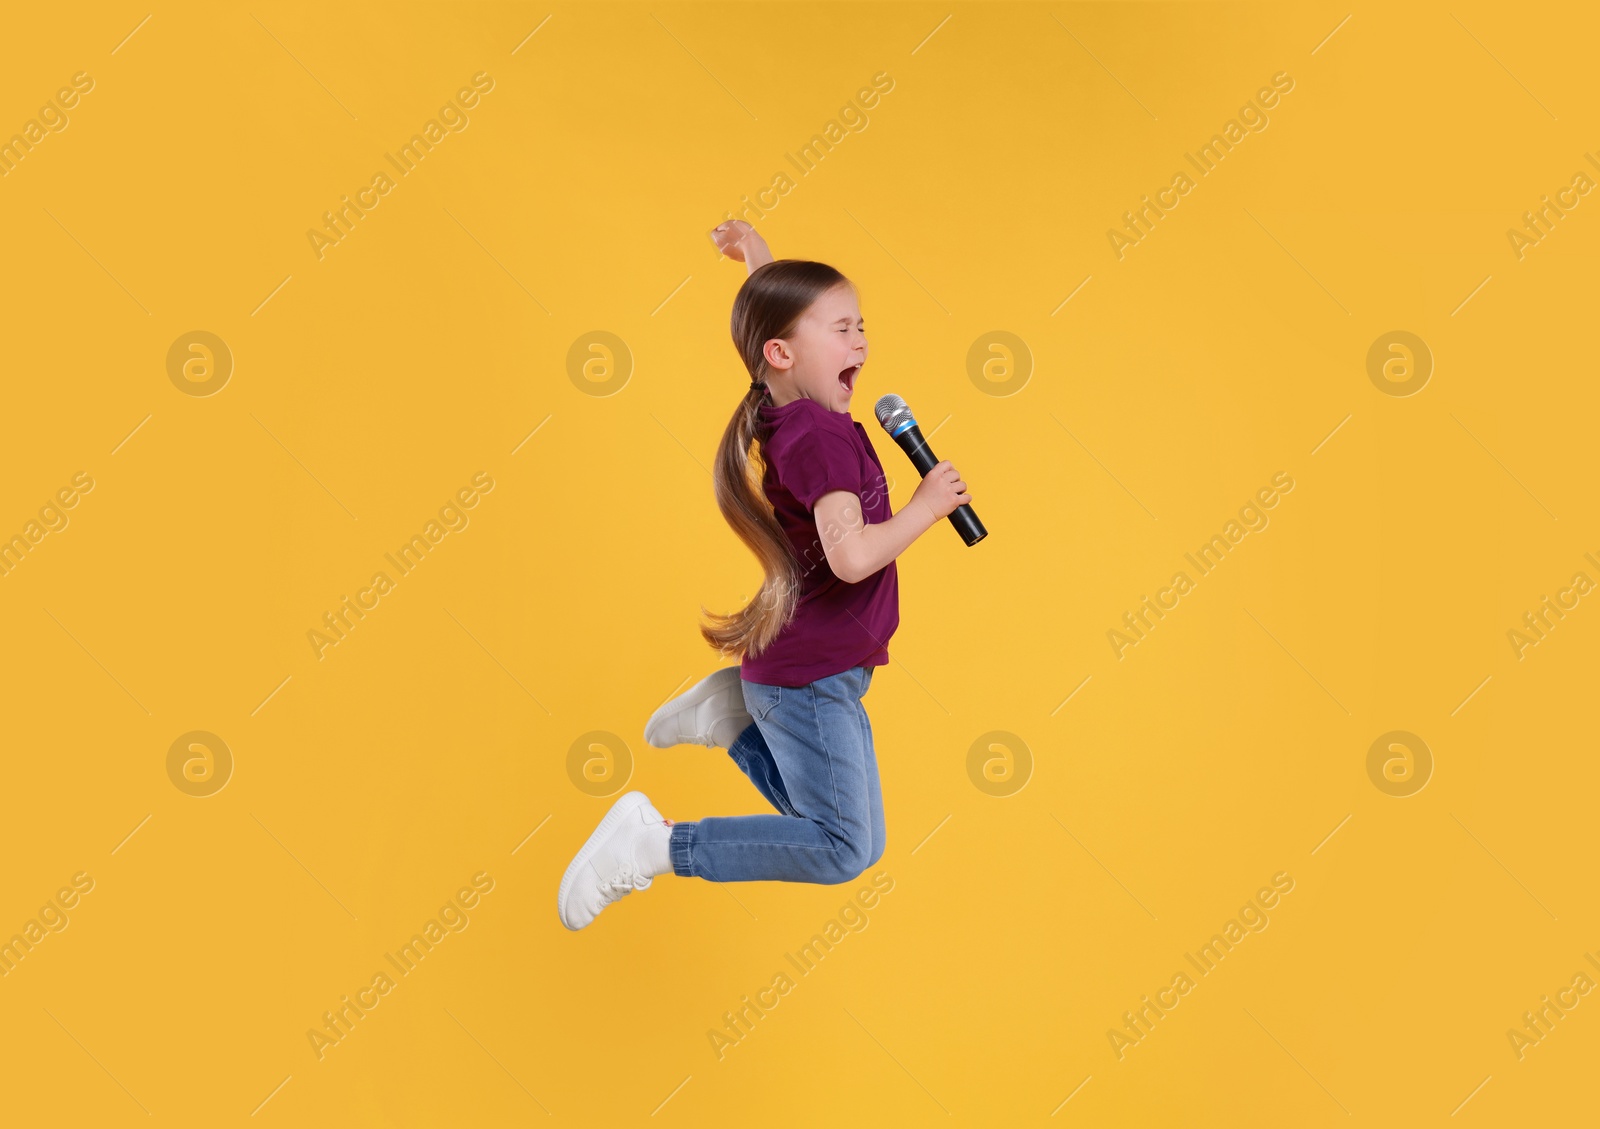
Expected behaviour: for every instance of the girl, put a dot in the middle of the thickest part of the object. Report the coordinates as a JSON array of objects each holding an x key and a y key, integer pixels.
[{"x": 790, "y": 714}]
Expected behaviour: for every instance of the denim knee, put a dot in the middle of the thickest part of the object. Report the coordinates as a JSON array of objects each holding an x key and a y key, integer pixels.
[{"x": 848, "y": 860}]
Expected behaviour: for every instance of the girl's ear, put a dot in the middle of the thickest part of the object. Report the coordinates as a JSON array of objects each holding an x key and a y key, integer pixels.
[{"x": 777, "y": 354}]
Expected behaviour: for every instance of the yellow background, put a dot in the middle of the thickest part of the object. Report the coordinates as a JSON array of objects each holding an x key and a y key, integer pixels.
[{"x": 431, "y": 743}]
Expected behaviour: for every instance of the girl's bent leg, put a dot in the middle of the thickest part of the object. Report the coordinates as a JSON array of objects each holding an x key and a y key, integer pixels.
[
  {"x": 815, "y": 736},
  {"x": 874, "y": 788},
  {"x": 754, "y": 758}
]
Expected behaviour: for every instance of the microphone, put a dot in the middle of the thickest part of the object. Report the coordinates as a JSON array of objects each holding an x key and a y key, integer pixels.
[{"x": 896, "y": 419}]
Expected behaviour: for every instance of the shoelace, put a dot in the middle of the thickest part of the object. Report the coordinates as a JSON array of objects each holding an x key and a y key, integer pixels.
[{"x": 624, "y": 882}]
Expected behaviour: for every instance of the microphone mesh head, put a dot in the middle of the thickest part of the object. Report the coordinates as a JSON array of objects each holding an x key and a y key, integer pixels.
[{"x": 892, "y": 411}]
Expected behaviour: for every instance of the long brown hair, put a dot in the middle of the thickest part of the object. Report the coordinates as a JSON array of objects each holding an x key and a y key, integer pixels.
[{"x": 769, "y": 304}]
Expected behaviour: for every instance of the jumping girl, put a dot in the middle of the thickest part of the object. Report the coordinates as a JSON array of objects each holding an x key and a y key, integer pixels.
[{"x": 790, "y": 714}]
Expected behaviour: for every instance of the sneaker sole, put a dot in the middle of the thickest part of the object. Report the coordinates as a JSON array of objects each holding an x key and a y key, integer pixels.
[
  {"x": 712, "y": 684},
  {"x": 624, "y": 807}
]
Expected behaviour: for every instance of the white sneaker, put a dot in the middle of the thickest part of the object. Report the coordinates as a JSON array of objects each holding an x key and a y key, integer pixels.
[
  {"x": 611, "y": 864},
  {"x": 711, "y": 712}
]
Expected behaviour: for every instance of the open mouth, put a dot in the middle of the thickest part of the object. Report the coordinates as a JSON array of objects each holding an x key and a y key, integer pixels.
[{"x": 847, "y": 378}]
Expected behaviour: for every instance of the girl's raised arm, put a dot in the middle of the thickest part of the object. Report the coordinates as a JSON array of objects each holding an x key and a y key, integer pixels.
[{"x": 739, "y": 242}]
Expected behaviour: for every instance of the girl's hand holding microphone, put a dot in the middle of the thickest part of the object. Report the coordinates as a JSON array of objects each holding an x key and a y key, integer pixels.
[{"x": 942, "y": 490}]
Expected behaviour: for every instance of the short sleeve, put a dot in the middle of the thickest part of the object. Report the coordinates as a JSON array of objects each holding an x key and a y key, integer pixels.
[{"x": 817, "y": 463}]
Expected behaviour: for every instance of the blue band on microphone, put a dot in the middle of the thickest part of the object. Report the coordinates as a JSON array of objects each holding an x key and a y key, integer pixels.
[{"x": 895, "y": 434}]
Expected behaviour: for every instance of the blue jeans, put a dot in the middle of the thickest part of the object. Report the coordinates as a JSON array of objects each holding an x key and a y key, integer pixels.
[{"x": 809, "y": 752}]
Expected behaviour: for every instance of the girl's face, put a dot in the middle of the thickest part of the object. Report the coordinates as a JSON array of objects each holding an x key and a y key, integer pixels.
[{"x": 822, "y": 358}]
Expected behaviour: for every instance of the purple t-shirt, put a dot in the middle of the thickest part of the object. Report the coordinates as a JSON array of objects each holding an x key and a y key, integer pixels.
[{"x": 811, "y": 451}]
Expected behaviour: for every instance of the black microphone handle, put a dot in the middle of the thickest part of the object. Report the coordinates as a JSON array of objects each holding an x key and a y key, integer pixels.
[{"x": 923, "y": 458}]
